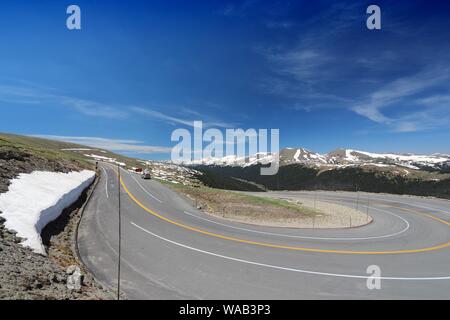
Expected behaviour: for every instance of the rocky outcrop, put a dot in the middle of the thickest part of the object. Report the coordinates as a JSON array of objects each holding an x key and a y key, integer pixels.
[
  {"x": 25, "y": 274},
  {"x": 28, "y": 275}
]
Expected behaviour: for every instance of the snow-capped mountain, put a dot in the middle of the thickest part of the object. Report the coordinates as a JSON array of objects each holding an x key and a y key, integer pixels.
[
  {"x": 336, "y": 158},
  {"x": 301, "y": 155},
  {"x": 412, "y": 161},
  {"x": 233, "y": 160}
]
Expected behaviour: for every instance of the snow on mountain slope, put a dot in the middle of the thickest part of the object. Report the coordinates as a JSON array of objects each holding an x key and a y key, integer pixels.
[
  {"x": 432, "y": 159},
  {"x": 167, "y": 171},
  {"x": 301, "y": 155},
  {"x": 233, "y": 160},
  {"x": 336, "y": 158}
]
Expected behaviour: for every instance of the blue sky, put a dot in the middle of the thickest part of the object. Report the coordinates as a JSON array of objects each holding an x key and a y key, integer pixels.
[{"x": 137, "y": 70}]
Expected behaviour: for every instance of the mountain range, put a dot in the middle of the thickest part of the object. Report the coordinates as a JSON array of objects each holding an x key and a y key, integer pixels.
[
  {"x": 338, "y": 158},
  {"x": 341, "y": 169}
]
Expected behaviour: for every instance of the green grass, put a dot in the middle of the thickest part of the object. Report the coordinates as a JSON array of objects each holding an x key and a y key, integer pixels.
[
  {"x": 276, "y": 202},
  {"x": 52, "y": 150},
  {"x": 46, "y": 149},
  {"x": 242, "y": 198}
]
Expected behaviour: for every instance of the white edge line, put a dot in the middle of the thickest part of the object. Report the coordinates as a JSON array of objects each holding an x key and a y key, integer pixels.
[
  {"x": 106, "y": 183},
  {"x": 392, "y": 200},
  {"x": 314, "y": 238},
  {"x": 145, "y": 189},
  {"x": 285, "y": 268}
]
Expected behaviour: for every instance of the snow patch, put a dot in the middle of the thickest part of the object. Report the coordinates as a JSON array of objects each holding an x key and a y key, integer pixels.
[
  {"x": 297, "y": 154},
  {"x": 35, "y": 199},
  {"x": 107, "y": 159},
  {"x": 407, "y": 158},
  {"x": 349, "y": 156}
]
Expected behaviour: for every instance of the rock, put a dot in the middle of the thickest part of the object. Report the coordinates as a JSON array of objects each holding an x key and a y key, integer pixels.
[
  {"x": 37, "y": 284},
  {"x": 23, "y": 273},
  {"x": 61, "y": 279},
  {"x": 18, "y": 239},
  {"x": 53, "y": 278}
]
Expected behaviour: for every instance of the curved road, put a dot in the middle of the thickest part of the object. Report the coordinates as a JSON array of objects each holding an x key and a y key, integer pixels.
[{"x": 170, "y": 250}]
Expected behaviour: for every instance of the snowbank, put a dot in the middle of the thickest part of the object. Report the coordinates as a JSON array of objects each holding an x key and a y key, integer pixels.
[{"x": 35, "y": 199}]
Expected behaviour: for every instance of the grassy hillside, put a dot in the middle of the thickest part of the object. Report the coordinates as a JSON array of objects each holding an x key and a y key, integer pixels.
[
  {"x": 41, "y": 148},
  {"x": 56, "y": 150},
  {"x": 23, "y": 155}
]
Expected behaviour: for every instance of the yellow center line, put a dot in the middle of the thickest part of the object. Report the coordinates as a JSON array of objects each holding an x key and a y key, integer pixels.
[
  {"x": 422, "y": 214},
  {"x": 272, "y": 245},
  {"x": 436, "y": 218}
]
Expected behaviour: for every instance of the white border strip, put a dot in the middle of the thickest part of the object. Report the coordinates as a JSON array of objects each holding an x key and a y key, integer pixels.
[
  {"x": 106, "y": 182},
  {"x": 145, "y": 189}
]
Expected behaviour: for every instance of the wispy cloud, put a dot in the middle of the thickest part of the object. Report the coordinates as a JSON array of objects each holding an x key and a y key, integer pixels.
[
  {"x": 93, "y": 108},
  {"x": 280, "y": 24},
  {"x": 303, "y": 64},
  {"x": 120, "y": 145},
  {"x": 161, "y": 116},
  {"x": 34, "y": 95},
  {"x": 238, "y": 9},
  {"x": 194, "y": 116},
  {"x": 307, "y": 69},
  {"x": 403, "y": 92},
  {"x": 436, "y": 100},
  {"x": 395, "y": 88},
  {"x": 37, "y": 96}
]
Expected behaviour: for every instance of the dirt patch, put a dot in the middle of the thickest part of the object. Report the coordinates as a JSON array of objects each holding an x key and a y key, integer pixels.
[
  {"x": 332, "y": 215},
  {"x": 270, "y": 211}
]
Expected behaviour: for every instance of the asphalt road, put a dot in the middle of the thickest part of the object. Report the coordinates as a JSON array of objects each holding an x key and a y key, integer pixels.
[{"x": 170, "y": 250}]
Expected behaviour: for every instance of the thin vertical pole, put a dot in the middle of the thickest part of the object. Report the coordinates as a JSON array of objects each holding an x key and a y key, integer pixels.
[
  {"x": 315, "y": 200},
  {"x": 120, "y": 238},
  {"x": 357, "y": 198},
  {"x": 368, "y": 204}
]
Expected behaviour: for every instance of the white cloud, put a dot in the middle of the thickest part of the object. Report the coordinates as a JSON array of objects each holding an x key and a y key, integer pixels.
[
  {"x": 92, "y": 108},
  {"x": 161, "y": 116},
  {"x": 436, "y": 100},
  {"x": 123, "y": 145},
  {"x": 279, "y": 24},
  {"x": 304, "y": 64},
  {"x": 238, "y": 9},
  {"x": 402, "y": 92},
  {"x": 406, "y": 127},
  {"x": 36, "y": 95},
  {"x": 316, "y": 72},
  {"x": 207, "y": 121}
]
